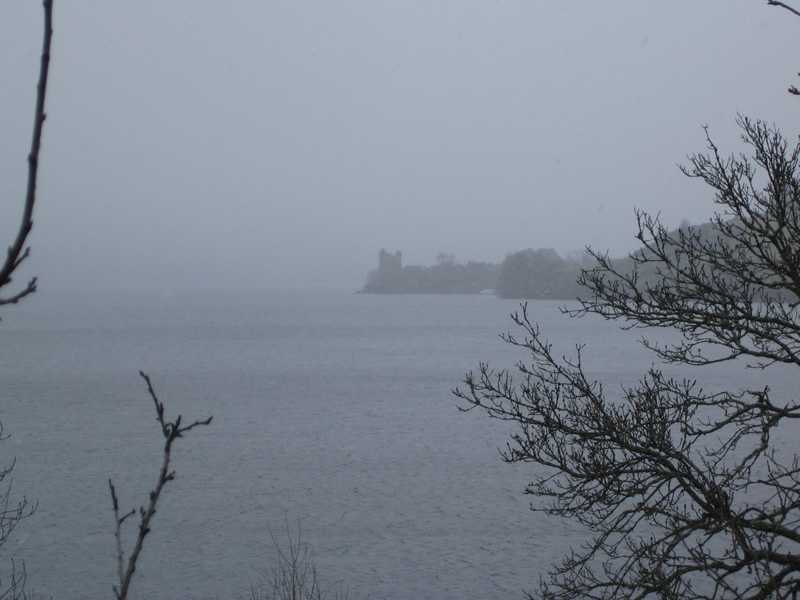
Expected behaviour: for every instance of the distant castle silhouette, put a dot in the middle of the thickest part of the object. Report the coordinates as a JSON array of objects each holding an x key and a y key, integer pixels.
[
  {"x": 445, "y": 277},
  {"x": 390, "y": 263}
]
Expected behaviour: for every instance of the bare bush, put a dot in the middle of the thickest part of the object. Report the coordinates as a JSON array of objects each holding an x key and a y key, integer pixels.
[{"x": 293, "y": 575}]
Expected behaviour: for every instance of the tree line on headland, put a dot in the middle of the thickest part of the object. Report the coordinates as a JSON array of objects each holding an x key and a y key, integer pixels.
[
  {"x": 535, "y": 274},
  {"x": 540, "y": 273},
  {"x": 532, "y": 273}
]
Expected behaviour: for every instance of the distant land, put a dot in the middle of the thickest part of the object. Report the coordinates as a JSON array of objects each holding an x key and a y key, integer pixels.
[
  {"x": 445, "y": 277},
  {"x": 534, "y": 274}
]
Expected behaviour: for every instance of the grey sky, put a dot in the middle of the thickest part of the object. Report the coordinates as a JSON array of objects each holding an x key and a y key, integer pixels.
[{"x": 252, "y": 144}]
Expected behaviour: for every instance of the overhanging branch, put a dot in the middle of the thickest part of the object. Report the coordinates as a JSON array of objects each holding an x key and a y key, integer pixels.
[{"x": 18, "y": 251}]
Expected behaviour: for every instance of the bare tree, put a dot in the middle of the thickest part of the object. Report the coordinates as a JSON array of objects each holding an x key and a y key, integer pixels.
[
  {"x": 171, "y": 431},
  {"x": 12, "y": 511},
  {"x": 293, "y": 576},
  {"x": 684, "y": 491}
]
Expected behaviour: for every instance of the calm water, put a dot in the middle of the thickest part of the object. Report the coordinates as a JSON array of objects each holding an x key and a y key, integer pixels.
[{"x": 329, "y": 408}]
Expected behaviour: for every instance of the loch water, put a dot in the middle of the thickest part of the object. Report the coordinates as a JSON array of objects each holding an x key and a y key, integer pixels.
[{"x": 331, "y": 409}]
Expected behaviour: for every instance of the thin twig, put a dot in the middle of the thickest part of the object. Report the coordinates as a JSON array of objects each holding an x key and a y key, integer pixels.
[
  {"x": 171, "y": 430},
  {"x": 118, "y": 521}
]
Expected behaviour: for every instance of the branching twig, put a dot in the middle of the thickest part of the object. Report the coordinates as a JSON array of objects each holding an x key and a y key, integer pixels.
[
  {"x": 119, "y": 520},
  {"x": 18, "y": 251},
  {"x": 171, "y": 430},
  {"x": 685, "y": 492},
  {"x": 294, "y": 573},
  {"x": 792, "y": 88},
  {"x": 16, "y": 583}
]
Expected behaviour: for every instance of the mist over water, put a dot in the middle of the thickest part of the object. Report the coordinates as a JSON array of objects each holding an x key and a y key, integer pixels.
[
  {"x": 218, "y": 178},
  {"x": 195, "y": 145}
]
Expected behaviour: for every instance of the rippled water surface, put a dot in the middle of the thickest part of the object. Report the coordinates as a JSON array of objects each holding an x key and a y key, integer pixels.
[{"x": 331, "y": 409}]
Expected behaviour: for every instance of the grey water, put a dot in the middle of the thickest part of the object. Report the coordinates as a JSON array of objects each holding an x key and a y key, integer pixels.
[{"x": 331, "y": 409}]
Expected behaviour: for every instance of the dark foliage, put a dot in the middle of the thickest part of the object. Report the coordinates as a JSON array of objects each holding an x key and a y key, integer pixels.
[{"x": 538, "y": 274}]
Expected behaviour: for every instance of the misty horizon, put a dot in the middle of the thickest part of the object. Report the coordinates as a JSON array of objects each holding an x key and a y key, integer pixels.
[
  {"x": 269, "y": 145},
  {"x": 307, "y": 310}
]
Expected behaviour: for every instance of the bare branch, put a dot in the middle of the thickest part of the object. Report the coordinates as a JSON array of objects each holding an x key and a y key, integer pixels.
[
  {"x": 171, "y": 431},
  {"x": 684, "y": 492},
  {"x": 784, "y": 5},
  {"x": 12, "y": 513},
  {"x": 18, "y": 251}
]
